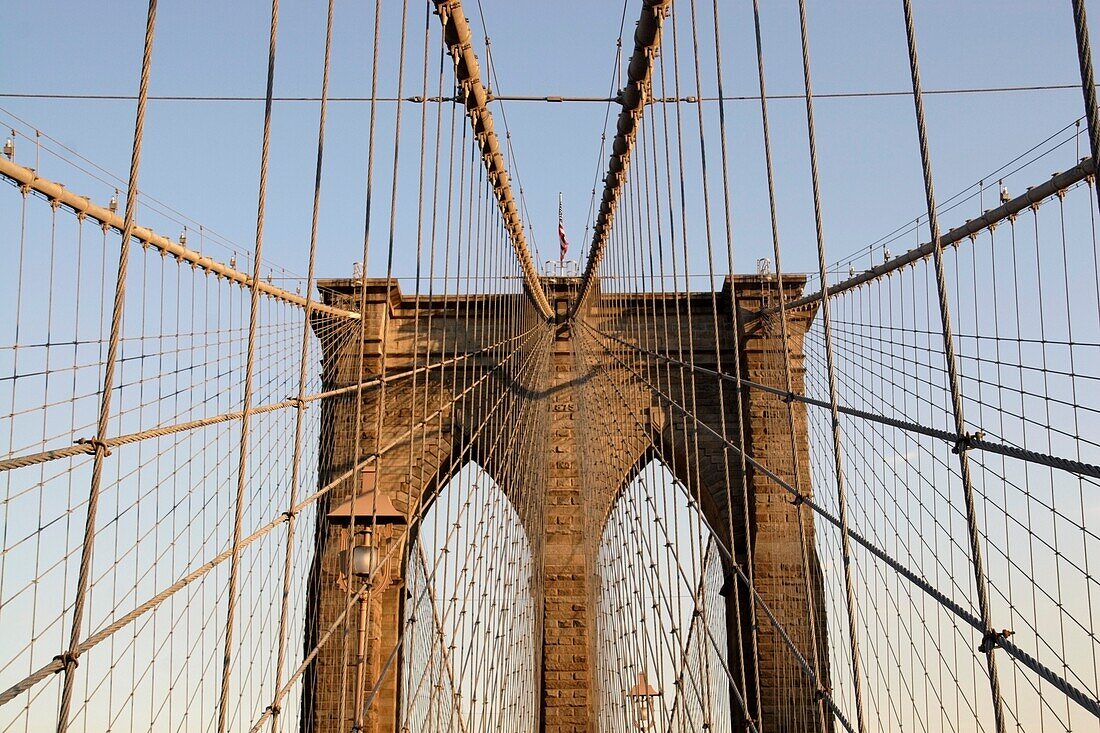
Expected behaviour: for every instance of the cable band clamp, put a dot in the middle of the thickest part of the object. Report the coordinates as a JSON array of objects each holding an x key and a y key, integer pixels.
[
  {"x": 992, "y": 640},
  {"x": 68, "y": 661},
  {"x": 966, "y": 441},
  {"x": 96, "y": 444}
]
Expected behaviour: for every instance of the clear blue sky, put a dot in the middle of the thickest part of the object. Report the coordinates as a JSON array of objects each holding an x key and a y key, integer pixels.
[{"x": 202, "y": 157}]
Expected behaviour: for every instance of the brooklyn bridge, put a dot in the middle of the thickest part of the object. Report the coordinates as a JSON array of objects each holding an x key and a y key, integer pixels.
[{"x": 727, "y": 461}]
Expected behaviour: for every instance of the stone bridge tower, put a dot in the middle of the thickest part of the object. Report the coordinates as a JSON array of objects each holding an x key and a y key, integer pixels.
[{"x": 578, "y": 470}]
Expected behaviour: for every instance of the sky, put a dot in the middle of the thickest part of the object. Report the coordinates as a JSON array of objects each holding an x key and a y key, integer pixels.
[{"x": 202, "y": 157}]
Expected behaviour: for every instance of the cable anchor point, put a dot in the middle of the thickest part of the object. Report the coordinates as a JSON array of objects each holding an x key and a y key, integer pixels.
[{"x": 992, "y": 640}]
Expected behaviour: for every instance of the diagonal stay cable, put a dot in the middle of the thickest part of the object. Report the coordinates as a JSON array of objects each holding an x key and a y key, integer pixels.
[
  {"x": 57, "y": 664},
  {"x": 970, "y": 440},
  {"x": 86, "y": 447},
  {"x": 416, "y": 519},
  {"x": 805, "y": 665},
  {"x": 1082, "y": 698}
]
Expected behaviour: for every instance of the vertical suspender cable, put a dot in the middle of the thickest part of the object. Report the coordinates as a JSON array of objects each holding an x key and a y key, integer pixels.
[
  {"x": 69, "y": 658},
  {"x": 753, "y": 713},
  {"x": 988, "y": 644},
  {"x": 474, "y": 96},
  {"x": 250, "y": 366},
  {"x": 404, "y": 670},
  {"x": 299, "y": 424},
  {"x": 838, "y": 451},
  {"x": 357, "y": 442},
  {"x": 1088, "y": 82},
  {"x": 359, "y": 711},
  {"x": 784, "y": 332}
]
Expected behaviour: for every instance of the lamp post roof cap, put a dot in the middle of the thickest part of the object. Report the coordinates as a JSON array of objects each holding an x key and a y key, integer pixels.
[
  {"x": 369, "y": 507},
  {"x": 642, "y": 688}
]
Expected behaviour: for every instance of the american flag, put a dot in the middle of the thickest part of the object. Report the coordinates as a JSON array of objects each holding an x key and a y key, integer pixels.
[{"x": 561, "y": 230}]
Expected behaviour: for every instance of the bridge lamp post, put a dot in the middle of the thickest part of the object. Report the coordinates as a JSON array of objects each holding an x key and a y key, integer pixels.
[
  {"x": 642, "y": 698},
  {"x": 363, "y": 560},
  {"x": 366, "y": 521}
]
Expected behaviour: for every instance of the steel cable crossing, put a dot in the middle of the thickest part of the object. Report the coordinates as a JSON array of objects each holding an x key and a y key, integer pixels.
[
  {"x": 447, "y": 384},
  {"x": 469, "y": 428},
  {"x": 69, "y": 658},
  {"x": 648, "y": 340}
]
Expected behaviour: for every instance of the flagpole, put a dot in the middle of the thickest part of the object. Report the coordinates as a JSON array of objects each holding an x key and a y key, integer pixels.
[
  {"x": 561, "y": 228},
  {"x": 561, "y": 220}
]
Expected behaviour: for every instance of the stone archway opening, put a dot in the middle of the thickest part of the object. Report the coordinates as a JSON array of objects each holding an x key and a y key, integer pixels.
[
  {"x": 472, "y": 660},
  {"x": 661, "y": 629}
]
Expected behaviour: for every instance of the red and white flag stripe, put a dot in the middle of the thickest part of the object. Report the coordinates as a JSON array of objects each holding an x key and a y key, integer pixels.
[{"x": 561, "y": 230}]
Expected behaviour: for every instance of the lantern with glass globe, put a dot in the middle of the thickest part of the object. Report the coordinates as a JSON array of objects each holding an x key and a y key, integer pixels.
[
  {"x": 368, "y": 521},
  {"x": 642, "y": 699}
]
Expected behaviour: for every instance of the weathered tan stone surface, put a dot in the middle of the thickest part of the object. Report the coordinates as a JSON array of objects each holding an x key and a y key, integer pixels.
[{"x": 576, "y": 461}]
